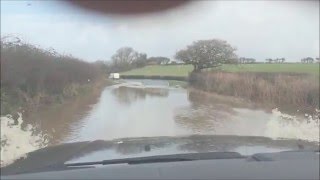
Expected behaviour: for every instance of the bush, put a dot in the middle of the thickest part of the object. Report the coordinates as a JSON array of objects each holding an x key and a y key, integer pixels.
[
  {"x": 27, "y": 70},
  {"x": 289, "y": 89}
]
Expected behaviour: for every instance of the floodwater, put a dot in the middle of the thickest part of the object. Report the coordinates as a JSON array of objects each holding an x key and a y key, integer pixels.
[
  {"x": 144, "y": 108},
  {"x": 147, "y": 108}
]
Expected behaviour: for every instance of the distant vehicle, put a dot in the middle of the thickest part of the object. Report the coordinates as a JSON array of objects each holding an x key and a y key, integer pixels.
[{"x": 114, "y": 76}]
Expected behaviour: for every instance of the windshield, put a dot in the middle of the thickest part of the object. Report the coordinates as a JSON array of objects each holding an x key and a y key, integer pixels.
[{"x": 74, "y": 71}]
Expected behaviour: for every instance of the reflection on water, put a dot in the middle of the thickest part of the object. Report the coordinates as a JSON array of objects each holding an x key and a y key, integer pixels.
[
  {"x": 127, "y": 95},
  {"x": 144, "y": 108},
  {"x": 62, "y": 120},
  {"x": 128, "y": 111},
  {"x": 215, "y": 115}
]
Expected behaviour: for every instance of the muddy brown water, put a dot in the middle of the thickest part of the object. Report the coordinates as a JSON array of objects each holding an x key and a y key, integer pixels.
[{"x": 144, "y": 108}]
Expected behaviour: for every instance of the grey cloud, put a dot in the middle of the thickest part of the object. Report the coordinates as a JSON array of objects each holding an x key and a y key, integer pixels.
[{"x": 259, "y": 29}]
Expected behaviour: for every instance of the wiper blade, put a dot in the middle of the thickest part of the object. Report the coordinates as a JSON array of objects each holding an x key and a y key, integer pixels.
[{"x": 164, "y": 158}]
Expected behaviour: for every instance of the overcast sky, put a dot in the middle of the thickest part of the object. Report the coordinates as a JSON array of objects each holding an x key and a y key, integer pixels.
[{"x": 258, "y": 29}]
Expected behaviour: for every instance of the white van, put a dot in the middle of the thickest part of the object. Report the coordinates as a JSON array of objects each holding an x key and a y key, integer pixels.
[{"x": 114, "y": 76}]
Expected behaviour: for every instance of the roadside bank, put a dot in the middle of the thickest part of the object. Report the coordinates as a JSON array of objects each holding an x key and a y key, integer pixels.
[
  {"x": 32, "y": 77},
  {"x": 19, "y": 101},
  {"x": 289, "y": 90}
]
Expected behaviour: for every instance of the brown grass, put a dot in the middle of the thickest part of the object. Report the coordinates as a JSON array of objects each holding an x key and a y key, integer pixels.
[{"x": 300, "y": 91}]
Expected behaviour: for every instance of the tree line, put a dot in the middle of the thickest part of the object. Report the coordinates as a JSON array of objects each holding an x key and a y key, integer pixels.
[
  {"x": 303, "y": 60},
  {"x": 277, "y": 60},
  {"x": 200, "y": 54},
  {"x": 244, "y": 60},
  {"x": 310, "y": 60},
  {"x": 127, "y": 58}
]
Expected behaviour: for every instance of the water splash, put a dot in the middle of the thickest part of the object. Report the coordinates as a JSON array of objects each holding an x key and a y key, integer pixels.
[
  {"x": 16, "y": 140},
  {"x": 248, "y": 122},
  {"x": 282, "y": 125}
]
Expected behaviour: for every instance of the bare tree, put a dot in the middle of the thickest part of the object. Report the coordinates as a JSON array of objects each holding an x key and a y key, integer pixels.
[
  {"x": 124, "y": 56},
  {"x": 269, "y": 60},
  {"x": 140, "y": 61},
  {"x": 127, "y": 58},
  {"x": 251, "y": 60},
  {"x": 310, "y": 59},
  {"x": 242, "y": 60},
  {"x": 307, "y": 60},
  {"x": 207, "y": 53}
]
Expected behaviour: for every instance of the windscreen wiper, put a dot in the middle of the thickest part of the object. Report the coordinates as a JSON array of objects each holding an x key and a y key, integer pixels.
[{"x": 164, "y": 158}]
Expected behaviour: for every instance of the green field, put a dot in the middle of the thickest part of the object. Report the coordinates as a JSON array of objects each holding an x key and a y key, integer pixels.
[
  {"x": 183, "y": 70},
  {"x": 294, "y": 67},
  {"x": 162, "y": 70}
]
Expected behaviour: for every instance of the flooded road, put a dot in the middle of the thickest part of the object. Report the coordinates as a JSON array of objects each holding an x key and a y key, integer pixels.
[{"x": 147, "y": 108}]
